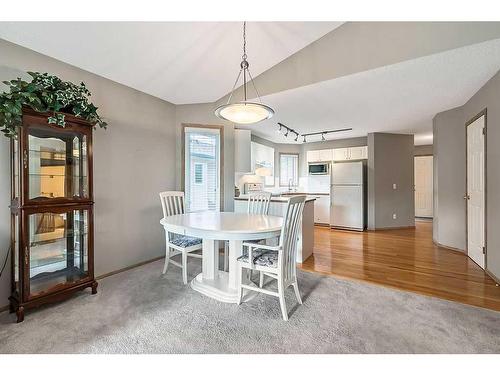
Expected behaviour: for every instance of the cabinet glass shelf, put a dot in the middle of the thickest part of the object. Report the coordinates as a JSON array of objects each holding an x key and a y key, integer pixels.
[
  {"x": 57, "y": 165},
  {"x": 58, "y": 248}
]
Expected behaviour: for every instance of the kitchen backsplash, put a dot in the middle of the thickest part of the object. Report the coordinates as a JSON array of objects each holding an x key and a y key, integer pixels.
[
  {"x": 317, "y": 184},
  {"x": 308, "y": 184}
]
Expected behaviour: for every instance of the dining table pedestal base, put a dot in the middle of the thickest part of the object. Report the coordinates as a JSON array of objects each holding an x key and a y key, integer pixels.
[{"x": 218, "y": 288}]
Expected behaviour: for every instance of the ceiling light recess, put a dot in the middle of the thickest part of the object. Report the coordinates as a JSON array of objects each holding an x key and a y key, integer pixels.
[{"x": 244, "y": 112}]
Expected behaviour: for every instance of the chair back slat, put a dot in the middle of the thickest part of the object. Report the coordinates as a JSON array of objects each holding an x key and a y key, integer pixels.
[
  {"x": 172, "y": 202},
  {"x": 292, "y": 221},
  {"x": 258, "y": 203}
]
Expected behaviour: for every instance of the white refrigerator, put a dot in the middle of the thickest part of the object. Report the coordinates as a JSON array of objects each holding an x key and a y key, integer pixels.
[{"x": 348, "y": 195}]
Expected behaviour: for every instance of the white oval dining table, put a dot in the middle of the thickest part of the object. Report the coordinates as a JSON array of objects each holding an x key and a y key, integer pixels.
[{"x": 212, "y": 227}]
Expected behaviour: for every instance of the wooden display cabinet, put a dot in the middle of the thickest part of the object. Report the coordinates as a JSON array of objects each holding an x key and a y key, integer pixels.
[{"x": 52, "y": 232}]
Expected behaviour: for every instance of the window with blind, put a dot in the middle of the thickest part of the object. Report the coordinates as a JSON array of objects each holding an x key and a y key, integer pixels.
[
  {"x": 202, "y": 169},
  {"x": 289, "y": 169}
]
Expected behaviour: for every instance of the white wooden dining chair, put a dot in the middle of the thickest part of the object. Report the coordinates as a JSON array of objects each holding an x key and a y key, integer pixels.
[
  {"x": 278, "y": 262},
  {"x": 172, "y": 203},
  {"x": 258, "y": 203}
]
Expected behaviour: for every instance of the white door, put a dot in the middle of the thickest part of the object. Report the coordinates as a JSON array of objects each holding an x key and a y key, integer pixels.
[
  {"x": 475, "y": 191},
  {"x": 423, "y": 186},
  {"x": 202, "y": 169}
]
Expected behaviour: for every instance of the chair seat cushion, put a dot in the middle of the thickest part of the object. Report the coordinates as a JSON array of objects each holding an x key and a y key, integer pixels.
[
  {"x": 185, "y": 241},
  {"x": 266, "y": 258}
]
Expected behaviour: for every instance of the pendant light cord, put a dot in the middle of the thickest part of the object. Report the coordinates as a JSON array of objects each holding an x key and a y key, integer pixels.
[
  {"x": 244, "y": 68},
  {"x": 244, "y": 63},
  {"x": 244, "y": 40}
]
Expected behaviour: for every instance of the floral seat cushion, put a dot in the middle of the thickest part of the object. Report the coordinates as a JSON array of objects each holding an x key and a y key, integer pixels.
[
  {"x": 185, "y": 241},
  {"x": 266, "y": 258}
]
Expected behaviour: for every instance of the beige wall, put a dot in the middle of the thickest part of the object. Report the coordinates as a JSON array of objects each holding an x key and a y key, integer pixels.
[
  {"x": 203, "y": 114},
  {"x": 450, "y": 172},
  {"x": 133, "y": 161},
  {"x": 449, "y": 179},
  {"x": 390, "y": 161}
]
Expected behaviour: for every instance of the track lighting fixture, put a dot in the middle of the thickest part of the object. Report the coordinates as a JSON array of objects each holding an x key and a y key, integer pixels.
[{"x": 304, "y": 140}]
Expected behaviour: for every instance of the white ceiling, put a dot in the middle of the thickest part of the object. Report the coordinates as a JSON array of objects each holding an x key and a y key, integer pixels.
[
  {"x": 181, "y": 62},
  {"x": 400, "y": 98}
]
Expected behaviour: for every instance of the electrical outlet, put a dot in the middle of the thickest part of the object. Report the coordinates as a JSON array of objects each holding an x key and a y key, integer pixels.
[
  {"x": 394, "y": 186},
  {"x": 394, "y": 216}
]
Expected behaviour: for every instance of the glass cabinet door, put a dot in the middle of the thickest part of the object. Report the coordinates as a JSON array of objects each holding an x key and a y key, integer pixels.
[
  {"x": 58, "y": 249},
  {"x": 57, "y": 164}
]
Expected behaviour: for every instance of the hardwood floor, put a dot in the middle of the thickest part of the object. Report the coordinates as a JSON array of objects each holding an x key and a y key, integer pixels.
[{"x": 405, "y": 259}]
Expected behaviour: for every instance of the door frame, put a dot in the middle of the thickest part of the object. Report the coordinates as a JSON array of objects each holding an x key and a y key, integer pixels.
[
  {"x": 484, "y": 113},
  {"x": 221, "y": 156}
]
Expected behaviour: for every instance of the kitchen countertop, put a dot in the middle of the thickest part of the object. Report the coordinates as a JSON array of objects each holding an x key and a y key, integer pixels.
[
  {"x": 300, "y": 193},
  {"x": 279, "y": 199}
]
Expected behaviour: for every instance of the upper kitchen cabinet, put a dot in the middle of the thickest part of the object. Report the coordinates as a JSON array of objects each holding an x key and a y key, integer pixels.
[
  {"x": 242, "y": 151},
  {"x": 319, "y": 155},
  {"x": 325, "y": 155},
  {"x": 356, "y": 153},
  {"x": 350, "y": 153},
  {"x": 338, "y": 154},
  {"x": 312, "y": 156}
]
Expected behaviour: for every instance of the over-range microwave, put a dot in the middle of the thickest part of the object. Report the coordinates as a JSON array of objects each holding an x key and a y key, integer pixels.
[{"x": 319, "y": 168}]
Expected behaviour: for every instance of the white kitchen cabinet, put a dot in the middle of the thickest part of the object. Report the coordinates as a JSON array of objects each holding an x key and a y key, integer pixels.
[
  {"x": 356, "y": 153},
  {"x": 322, "y": 209},
  {"x": 350, "y": 153},
  {"x": 340, "y": 154},
  {"x": 325, "y": 155},
  {"x": 242, "y": 151},
  {"x": 312, "y": 156}
]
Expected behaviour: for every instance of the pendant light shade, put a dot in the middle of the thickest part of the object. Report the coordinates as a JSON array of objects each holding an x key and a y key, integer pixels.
[{"x": 244, "y": 112}]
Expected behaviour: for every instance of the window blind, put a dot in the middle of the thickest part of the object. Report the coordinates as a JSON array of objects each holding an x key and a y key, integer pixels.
[
  {"x": 202, "y": 169},
  {"x": 289, "y": 169}
]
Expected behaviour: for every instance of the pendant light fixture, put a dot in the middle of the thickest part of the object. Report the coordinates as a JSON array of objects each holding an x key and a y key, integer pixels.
[{"x": 244, "y": 112}]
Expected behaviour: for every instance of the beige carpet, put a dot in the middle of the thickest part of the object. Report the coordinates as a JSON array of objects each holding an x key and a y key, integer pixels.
[{"x": 141, "y": 311}]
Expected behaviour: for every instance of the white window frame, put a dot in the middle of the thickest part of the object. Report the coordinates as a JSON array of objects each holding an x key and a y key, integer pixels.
[{"x": 195, "y": 128}]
